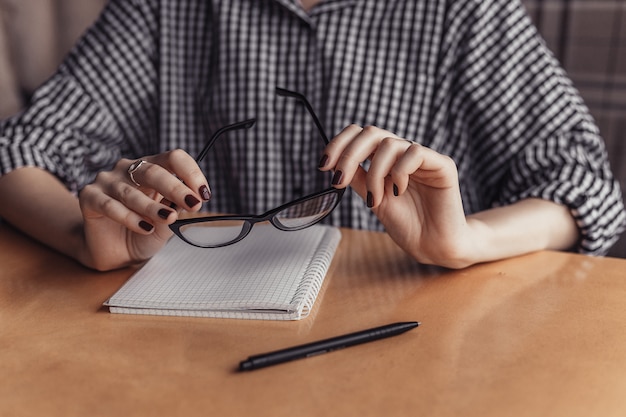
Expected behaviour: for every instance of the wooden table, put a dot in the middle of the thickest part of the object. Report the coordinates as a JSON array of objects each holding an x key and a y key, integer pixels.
[{"x": 539, "y": 335}]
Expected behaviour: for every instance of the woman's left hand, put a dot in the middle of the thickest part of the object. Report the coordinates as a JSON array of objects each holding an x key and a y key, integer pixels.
[{"x": 413, "y": 190}]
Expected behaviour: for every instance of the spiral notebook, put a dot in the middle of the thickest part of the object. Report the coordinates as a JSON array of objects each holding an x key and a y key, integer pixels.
[{"x": 271, "y": 275}]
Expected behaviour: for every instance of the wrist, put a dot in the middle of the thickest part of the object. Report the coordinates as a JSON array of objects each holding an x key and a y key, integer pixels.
[
  {"x": 487, "y": 242},
  {"x": 526, "y": 226}
]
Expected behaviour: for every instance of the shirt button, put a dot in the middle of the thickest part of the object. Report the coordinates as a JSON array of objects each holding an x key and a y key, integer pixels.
[{"x": 580, "y": 200}]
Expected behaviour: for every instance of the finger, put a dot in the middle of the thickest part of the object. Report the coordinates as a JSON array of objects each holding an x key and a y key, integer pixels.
[
  {"x": 133, "y": 198},
  {"x": 352, "y": 147},
  {"x": 333, "y": 150},
  {"x": 95, "y": 203},
  {"x": 145, "y": 206},
  {"x": 185, "y": 167},
  {"x": 425, "y": 166},
  {"x": 389, "y": 151},
  {"x": 164, "y": 172},
  {"x": 345, "y": 157},
  {"x": 156, "y": 177}
]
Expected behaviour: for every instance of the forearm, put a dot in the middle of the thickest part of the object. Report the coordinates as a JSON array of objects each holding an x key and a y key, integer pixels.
[
  {"x": 42, "y": 207},
  {"x": 526, "y": 226}
]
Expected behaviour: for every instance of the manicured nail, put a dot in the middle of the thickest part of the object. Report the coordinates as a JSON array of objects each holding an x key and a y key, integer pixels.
[
  {"x": 191, "y": 201},
  {"x": 164, "y": 213},
  {"x": 337, "y": 178},
  {"x": 205, "y": 193},
  {"x": 370, "y": 200},
  {"x": 168, "y": 203},
  {"x": 146, "y": 226},
  {"x": 323, "y": 161},
  {"x": 396, "y": 192}
]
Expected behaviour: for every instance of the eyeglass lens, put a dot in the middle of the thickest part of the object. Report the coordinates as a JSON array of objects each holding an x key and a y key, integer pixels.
[
  {"x": 214, "y": 233},
  {"x": 307, "y": 212},
  {"x": 222, "y": 232}
]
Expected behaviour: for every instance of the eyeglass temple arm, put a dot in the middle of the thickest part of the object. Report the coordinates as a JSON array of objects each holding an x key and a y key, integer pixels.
[
  {"x": 288, "y": 93},
  {"x": 246, "y": 124}
]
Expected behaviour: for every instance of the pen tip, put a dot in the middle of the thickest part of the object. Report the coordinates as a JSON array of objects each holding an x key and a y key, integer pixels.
[{"x": 245, "y": 366}]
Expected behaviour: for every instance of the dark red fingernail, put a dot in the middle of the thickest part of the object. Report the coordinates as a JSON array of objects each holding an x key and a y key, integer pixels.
[
  {"x": 146, "y": 226},
  {"x": 337, "y": 178},
  {"x": 395, "y": 190},
  {"x": 164, "y": 213},
  {"x": 191, "y": 201},
  {"x": 168, "y": 203},
  {"x": 205, "y": 193},
  {"x": 370, "y": 200},
  {"x": 323, "y": 161}
]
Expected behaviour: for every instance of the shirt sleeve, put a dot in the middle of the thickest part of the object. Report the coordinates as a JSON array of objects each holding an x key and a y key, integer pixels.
[
  {"x": 99, "y": 106},
  {"x": 529, "y": 126}
]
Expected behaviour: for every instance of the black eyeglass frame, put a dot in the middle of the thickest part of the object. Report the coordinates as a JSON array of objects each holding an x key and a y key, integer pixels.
[{"x": 251, "y": 219}]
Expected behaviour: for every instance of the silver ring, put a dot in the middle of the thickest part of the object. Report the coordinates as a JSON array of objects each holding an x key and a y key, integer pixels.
[{"x": 133, "y": 168}]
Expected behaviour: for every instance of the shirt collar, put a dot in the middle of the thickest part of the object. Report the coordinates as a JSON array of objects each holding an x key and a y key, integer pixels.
[{"x": 324, "y": 7}]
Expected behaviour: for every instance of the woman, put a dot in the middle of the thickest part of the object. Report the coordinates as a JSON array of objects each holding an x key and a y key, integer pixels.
[{"x": 482, "y": 150}]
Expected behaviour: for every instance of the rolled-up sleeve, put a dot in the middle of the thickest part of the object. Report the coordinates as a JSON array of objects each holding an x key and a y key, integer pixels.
[
  {"x": 530, "y": 132},
  {"x": 99, "y": 106},
  {"x": 571, "y": 168}
]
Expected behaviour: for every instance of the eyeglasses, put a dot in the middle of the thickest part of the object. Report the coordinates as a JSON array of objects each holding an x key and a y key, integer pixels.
[{"x": 218, "y": 231}]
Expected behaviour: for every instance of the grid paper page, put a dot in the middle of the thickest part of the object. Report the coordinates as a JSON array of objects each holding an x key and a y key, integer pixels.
[{"x": 267, "y": 275}]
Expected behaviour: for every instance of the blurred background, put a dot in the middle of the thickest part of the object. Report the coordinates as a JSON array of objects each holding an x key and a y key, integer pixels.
[
  {"x": 35, "y": 35},
  {"x": 587, "y": 36}
]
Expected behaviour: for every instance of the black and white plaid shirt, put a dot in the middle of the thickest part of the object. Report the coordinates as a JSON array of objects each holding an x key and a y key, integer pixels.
[{"x": 470, "y": 79}]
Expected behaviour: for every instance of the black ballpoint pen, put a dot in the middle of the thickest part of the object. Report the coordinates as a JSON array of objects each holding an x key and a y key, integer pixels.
[{"x": 325, "y": 346}]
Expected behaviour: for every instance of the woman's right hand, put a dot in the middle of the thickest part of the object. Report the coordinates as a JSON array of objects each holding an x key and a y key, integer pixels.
[{"x": 126, "y": 223}]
